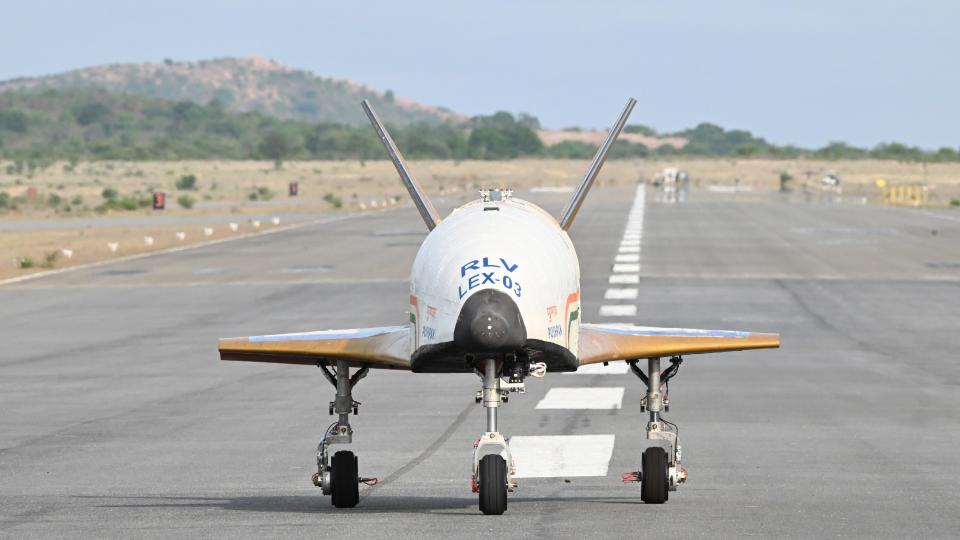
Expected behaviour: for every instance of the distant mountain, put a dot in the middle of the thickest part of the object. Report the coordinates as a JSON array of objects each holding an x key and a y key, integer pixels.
[{"x": 242, "y": 85}]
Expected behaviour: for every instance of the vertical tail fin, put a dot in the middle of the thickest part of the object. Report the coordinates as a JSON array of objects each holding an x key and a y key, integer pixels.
[
  {"x": 423, "y": 204},
  {"x": 570, "y": 212}
]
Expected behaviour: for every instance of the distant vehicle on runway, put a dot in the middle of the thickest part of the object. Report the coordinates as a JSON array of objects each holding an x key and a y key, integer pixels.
[
  {"x": 831, "y": 182},
  {"x": 495, "y": 290},
  {"x": 675, "y": 184}
]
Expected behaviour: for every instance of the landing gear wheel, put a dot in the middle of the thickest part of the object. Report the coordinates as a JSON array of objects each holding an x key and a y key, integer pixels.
[
  {"x": 346, "y": 482},
  {"x": 654, "y": 486},
  {"x": 493, "y": 485}
]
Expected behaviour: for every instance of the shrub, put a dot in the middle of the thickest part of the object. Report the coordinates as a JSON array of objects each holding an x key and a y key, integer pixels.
[
  {"x": 54, "y": 200},
  {"x": 5, "y": 201},
  {"x": 187, "y": 182},
  {"x": 24, "y": 262},
  {"x": 125, "y": 203},
  {"x": 110, "y": 194},
  {"x": 50, "y": 259},
  {"x": 264, "y": 193},
  {"x": 954, "y": 202},
  {"x": 333, "y": 199},
  {"x": 186, "y": 201}
]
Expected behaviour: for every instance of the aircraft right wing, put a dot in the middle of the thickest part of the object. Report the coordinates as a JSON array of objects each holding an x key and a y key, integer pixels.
[
  {"x": 608, "y": 342},
  {"x": 386, "y": 347}
]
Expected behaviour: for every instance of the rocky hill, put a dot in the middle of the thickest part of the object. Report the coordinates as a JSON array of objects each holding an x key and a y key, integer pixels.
[{"x": 241, "y": 85}]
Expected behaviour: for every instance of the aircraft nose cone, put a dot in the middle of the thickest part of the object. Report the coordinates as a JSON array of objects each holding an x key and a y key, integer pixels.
[
  {"x": 490, "y": 321},
  {"x": 489, "y": 329}
]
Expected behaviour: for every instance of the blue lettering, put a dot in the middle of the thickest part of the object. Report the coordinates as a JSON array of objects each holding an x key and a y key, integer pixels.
[
  {"x": 472, "y": 265},
  {"x": 483, "y": 278}
]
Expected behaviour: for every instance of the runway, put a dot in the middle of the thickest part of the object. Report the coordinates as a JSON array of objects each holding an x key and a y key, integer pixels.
[{"x": 118, "y": 420}]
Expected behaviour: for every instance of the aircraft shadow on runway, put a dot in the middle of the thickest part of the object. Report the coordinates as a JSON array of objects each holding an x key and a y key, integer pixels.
[{"x": 372, "y": 504}]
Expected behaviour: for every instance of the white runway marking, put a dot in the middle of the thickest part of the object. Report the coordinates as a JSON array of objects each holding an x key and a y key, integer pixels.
[
  {"x": 626, "y": 268},
  {"x": 624, "y": 278},
  {"x": 603, "y": 398},
  {"x": 618, "y": 310},
  {"x": 613, "y": 368},
  {"x": 553, "y": 456},
  {"x": 627, "y": 248},
  {"x": 620, "y": 294},
  {"x": 627, "y": 258}
]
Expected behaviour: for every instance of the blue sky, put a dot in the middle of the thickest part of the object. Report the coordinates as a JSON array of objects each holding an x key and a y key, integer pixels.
[{"x": 804, "y": 72}]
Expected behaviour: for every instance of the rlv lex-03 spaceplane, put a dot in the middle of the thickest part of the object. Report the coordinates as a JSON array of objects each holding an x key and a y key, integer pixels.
[{"x": 494, "y": 290}]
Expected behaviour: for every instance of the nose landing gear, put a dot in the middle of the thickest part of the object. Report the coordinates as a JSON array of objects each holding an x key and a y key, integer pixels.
[{"x": 493, "y": 467}]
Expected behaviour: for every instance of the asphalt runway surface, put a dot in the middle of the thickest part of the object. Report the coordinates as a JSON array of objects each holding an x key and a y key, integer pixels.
[{"x": 118, "y": 420}]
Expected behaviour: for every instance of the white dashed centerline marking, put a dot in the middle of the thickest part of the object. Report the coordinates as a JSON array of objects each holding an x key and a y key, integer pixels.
[
  {"x": 624, "y": 278},
  {"x": 561, "y": 455},
  {"x": 627, "y": 258},
  {"x": 603, "y": 398},
  {"x": 613, "y": 368},
  {"x": 626, "y": 268},
  {"x": 620, "y": 294},
  {"x": 614, "y": 310}
]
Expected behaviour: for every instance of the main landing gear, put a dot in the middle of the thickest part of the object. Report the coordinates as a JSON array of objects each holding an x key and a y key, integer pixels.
[
  {"x": 493, "y": 467},
  {"x": 661, "y": 471},
  {"x": 337, "y": 475}
]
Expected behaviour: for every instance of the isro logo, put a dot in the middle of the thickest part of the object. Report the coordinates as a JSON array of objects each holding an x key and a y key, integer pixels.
[
  {"x": 485, "y": 271},
  {"x": 554, "y": 330}
]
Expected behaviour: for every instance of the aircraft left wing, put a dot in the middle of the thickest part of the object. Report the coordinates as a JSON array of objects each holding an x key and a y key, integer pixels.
[
  {"x": 385, "y": 347},
  {"x": 603, "y": 342}
]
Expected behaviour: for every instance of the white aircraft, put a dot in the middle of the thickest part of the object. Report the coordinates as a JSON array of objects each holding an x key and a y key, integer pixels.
[{"x": 495, "y": 290}]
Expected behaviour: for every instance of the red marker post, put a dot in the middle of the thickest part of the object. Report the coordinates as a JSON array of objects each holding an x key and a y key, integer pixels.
[{"x": 159, "y": 200}]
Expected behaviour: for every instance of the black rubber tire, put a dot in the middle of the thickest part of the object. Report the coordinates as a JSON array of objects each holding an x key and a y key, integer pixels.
[
  {"x": 655, "y": 486},
  {"x": 493, "y": 485},
  {"x": 345, "y": 480}
]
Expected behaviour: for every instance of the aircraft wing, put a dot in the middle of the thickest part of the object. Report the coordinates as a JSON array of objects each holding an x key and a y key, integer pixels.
[
  {"x": 607, "y": 342},
  {"x": 386, "y": 347}
]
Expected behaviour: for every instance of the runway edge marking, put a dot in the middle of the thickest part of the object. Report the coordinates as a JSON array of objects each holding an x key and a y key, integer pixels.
[{"x": 177, "y": 249}]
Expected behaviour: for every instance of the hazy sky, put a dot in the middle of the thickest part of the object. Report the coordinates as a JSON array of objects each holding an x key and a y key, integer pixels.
[{"x": 804, "y": 72}]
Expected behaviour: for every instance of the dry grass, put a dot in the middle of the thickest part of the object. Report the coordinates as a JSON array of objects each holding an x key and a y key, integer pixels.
[{"x": 224, "y": 188}]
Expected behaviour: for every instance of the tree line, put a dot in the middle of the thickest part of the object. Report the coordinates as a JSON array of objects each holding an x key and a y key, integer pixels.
[{"x": 87, "y": 124}]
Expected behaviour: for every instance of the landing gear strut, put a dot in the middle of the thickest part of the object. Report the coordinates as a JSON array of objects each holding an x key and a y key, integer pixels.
[
  {"x": 337, "y": 475},
  {"x": 661, "y": 471},
  {"x": 493, "y": 467}
]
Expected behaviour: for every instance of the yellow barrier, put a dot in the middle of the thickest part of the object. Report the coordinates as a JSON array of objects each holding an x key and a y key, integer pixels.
[{"x": 905, "y": 194}]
